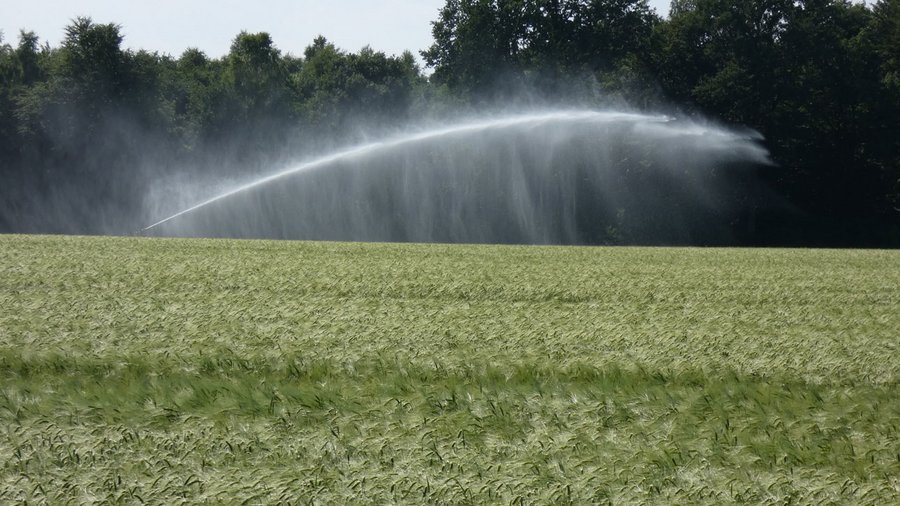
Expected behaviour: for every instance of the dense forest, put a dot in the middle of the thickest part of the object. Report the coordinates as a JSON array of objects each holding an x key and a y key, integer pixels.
[{"x": 84, "y": 127}]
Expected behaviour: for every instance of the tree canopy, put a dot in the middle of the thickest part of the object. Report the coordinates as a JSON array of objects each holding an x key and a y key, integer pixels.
[{"x": 85, "y": 125}]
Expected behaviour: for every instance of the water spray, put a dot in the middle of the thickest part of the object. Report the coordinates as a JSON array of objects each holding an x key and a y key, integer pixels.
[{"x": 396, "y": 142}]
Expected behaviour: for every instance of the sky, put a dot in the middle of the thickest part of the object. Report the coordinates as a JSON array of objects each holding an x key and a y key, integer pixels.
[{"x": 171, "y": 26}]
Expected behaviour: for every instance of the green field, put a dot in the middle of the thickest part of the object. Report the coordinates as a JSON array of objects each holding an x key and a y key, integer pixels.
[{"x": 164, "y": 371}]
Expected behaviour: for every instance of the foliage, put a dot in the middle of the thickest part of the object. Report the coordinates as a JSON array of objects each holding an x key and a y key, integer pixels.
[
  {"x": 212, "y": 370},
  {"x": 91, "y": 122},
  {"x": 337, "y": 90},
  {"x": 800, "y": 73},
  {"x": 86, "y": 126},
  {"x": 493, "y": 47}
]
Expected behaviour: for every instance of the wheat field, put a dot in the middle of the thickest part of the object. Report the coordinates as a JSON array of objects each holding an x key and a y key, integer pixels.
[{"x": 166, "y": 371}]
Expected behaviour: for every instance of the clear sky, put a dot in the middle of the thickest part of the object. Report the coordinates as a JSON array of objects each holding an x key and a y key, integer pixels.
[{"x": 171, "y": 26}]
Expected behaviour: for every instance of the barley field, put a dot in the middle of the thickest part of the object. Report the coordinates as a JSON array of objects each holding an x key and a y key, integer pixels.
[{"x": 167, "y": 371}]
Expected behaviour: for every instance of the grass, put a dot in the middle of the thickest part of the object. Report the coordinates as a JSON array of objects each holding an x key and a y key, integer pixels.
[{"x": 166, "y": 371}]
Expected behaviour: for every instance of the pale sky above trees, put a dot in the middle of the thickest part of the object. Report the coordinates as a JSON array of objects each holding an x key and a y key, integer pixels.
[{"x": 171, "y": 26}]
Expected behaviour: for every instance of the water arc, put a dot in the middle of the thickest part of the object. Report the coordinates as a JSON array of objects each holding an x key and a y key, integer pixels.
[{"x": 525, "y": 166}]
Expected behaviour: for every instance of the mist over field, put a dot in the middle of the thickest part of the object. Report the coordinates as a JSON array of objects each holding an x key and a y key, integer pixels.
[
  {"x": 559, "y": 177},
  {"x": 97, "y": 139}
]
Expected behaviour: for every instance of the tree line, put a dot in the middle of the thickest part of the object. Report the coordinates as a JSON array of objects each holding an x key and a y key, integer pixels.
[{"x": 85, "y": 126}]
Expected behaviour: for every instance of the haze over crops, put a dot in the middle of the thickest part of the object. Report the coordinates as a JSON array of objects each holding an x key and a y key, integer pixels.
[
  {"x": 98, "y": 137},
  {"x": 192, "y": 370}
]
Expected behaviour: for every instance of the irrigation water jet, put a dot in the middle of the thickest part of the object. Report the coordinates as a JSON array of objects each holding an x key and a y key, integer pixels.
[
  {"x": 417, "y": 137},
  {"x": 657, "y": 140}
]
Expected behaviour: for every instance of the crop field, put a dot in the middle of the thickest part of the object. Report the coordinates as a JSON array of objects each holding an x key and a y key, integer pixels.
[{"x": 164, "y": 371}]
